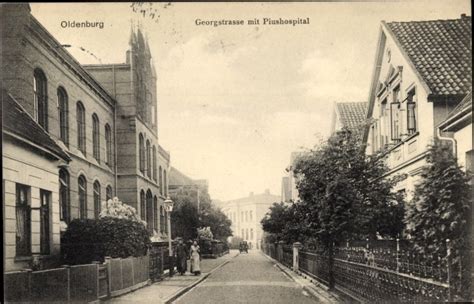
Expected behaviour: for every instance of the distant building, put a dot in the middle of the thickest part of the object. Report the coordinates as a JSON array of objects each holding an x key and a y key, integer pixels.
[
  {"x": 421, "y": 83},
  {"x": 181, "y": 182},
  {"x": 351, "y": 115},
  {"x": 288, "y": 183},
  {"x": 246, "y": 214}
]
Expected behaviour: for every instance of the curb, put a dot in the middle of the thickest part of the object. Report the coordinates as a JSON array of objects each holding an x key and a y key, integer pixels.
[
  {"x": 309, "y": 287},
  {"x": 184, "y": 290}
]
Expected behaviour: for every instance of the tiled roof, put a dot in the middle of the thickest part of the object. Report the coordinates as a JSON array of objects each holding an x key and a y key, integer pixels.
[
  {"x": 18, "y": 122},
  {"x": 440, "y": 51},
  {"x": 352, "y": 114}
]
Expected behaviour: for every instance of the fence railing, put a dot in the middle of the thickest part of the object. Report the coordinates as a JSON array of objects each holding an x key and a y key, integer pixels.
[
  {"x": 376, "y": 275},
  {"x": 77, "y": 283}
]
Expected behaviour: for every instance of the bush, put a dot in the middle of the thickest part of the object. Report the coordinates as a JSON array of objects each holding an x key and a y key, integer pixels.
[{"x": 93, "y": 239}]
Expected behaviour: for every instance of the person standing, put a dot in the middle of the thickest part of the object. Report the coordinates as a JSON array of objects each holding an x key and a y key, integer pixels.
[
  {"x": 181, "y": 256},
  {"x": 195, "y": 258}
]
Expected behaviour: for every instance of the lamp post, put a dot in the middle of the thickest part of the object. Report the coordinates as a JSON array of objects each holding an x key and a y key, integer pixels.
[{"x": 169, "y": 207}]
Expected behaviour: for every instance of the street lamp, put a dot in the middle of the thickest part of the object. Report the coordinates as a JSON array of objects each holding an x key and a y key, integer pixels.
[{"x": 169, "y": 207}]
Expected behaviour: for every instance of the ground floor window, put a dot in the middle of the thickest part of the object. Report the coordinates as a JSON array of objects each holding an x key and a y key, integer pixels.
[
  {"x": 23, "y": 221},
  {"x": 45, "y": 222}
]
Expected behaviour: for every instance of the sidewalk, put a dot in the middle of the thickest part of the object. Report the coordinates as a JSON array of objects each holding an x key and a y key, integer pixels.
[
  {"x": 170, "y": 288},
  {"x": 317, "y": 290}
]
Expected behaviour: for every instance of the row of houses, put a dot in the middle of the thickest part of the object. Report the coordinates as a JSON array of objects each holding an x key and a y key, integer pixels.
[
  {"x": 73, "y": 136},
  {"x": 420, "y": 89}
]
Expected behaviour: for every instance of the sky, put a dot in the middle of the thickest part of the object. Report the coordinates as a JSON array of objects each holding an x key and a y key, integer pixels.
[{"x": 234, "y": 101}]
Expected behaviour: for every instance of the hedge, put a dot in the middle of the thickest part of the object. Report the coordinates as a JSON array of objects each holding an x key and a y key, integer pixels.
[{"x": 88, "y": 240}]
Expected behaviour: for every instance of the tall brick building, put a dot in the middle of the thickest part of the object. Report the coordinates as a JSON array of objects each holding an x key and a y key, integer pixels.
[{"x": 100, "y": 121}]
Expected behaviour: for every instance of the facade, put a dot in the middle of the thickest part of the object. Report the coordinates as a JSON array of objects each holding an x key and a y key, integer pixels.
[
  {"x": 288, "y": 183},
  {"x": 414, "y": 87},
  {"x": 246, "y": 214},
  {"x": 88, "y": 111},
  {"x": 351, "y": 115},
  {"x": 181, "y": 182},
  {"x": 458, "y": 127},
  {"x": 31, "y": 198}
]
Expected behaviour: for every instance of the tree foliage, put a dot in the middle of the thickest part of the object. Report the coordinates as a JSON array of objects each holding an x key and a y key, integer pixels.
[
  {"x": 441, "y": 210},
  {"x": 87, "y": 240},
  {"x": 186, "y": 219}
]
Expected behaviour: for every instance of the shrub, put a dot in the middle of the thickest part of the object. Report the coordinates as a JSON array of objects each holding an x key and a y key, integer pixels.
[{"x": 90, "y": 240}]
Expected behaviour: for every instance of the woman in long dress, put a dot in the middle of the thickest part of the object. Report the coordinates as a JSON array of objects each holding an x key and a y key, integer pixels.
[{"x": 195, "y": 258}]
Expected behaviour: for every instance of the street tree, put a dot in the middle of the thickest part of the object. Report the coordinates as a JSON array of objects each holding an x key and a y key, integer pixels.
[
  {"x": 440, "y": 210},
  {"x": 346, "y": 194}
]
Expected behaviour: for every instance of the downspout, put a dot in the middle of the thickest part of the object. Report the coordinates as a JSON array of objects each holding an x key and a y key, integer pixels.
[
  {"x": 115, "y": 130},
  {"x": 452, "y": 140}
]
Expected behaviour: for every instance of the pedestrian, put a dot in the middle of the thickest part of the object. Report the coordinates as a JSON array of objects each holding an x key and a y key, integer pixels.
[
  {"x": 181, "y": 256},
  {"x": 195, "y": 257}
]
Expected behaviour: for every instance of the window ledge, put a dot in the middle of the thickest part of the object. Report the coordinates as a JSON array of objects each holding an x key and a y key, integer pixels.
[{"x": 23, "y": 258}]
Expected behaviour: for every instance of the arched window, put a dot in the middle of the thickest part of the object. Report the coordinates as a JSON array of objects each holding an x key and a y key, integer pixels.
[
  {"x": 63, "y": 106},
  {"x": 148, "y": 159},
  {"x": 141, "y": 153},
  {"x": 155, "y": 213},
  {"x": 162, "y": 219},
  {"x": 142, "y": 205},
  {"x": 81, "y": 127},
  {"x": 108, "y": 145},
  {"x": 96, "y": 199},
  {"x": 96, "y": 137},
  {"x": 149, "y": 210},
  {"x": 64, "y": 198},
  {"x": 154, "y": 163},
  {"x": 40, "y": 87},
  {"x": 161, "y": 180},
  {"x": 82, "y": 196},
  {"x": 165, "y": 184},
  {"x": 108, "y": 193}
]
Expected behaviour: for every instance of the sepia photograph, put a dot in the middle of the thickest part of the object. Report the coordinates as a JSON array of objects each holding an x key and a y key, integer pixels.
[{"x": 237, "y": 152}]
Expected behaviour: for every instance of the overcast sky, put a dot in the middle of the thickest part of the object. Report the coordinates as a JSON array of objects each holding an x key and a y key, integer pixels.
[{"x": 235, "y": 101}]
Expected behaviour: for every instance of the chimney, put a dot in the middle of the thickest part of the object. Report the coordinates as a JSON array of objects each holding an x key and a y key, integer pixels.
[{"x": 463, "y": 16}]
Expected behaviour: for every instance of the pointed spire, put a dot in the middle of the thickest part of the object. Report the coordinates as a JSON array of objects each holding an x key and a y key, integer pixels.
[{"x": 133, "y": 38}]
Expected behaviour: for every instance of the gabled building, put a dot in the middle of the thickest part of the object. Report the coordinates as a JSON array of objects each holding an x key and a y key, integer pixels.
[
  {"x": 351, "y": 115},
  {"x": 422, "y": 72}
]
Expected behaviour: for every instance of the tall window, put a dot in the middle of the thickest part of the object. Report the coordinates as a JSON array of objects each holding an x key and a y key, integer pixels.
[
  {"x": 411, "y": 111},
  {"x": 82, "y": 183},
  {"x": 149, "y": 210},
  {"x": 141, "y": 153},
  {"x": 160, "y": 173},
  {"x": 108, "y": 193},
  {"x": 142, "y": 205},
  {"x": 251, "y": 215},
  {"x": 162, "y": 219},
  {"x": 64, "y": 198},
  {"x": 165, "y": 184},
  {"x": 45, "y": 197},
  {"x": 96, "y": 199},
  {"x": 63, "y": 116},
  {"x": 23, "y": 221},
  {"x": 251, "y": 233},
  {"x": 155, "y": 213},
  {"x": 40, "y": 87},
  {"x": 108, "y": 145},
  {"x": 154, "y": 163},
  {"x": 96, "y": 137},
  {"x": 81, "y": 127},
  {"x": 243, "y": 234},
  {"x": 395, "y": 111},
  {"x": 148, "y": 159}
]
